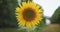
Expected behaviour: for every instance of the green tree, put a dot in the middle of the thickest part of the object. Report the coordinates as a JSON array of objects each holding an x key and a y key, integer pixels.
[
  {"x": 56, "y": 16},
  {"x": 7, "y": 16}
]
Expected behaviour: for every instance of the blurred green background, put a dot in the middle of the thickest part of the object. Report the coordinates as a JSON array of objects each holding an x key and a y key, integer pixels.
[
  {"x": 7, "y": 16},
  {"x": 8, "y": 22}
]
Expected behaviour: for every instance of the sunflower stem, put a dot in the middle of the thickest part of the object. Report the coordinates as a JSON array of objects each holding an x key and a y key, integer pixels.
[{"x": 28, "y": 30}]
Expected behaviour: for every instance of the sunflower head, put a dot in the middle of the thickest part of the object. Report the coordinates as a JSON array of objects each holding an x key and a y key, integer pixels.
[{"x": 28, "y": 14}]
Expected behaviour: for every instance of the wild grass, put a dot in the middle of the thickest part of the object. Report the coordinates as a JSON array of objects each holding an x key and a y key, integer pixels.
[{"x": 49, "y": 28}]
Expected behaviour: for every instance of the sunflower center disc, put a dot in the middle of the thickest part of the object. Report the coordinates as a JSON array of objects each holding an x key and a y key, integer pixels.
[{"x": 28, "y": 14}]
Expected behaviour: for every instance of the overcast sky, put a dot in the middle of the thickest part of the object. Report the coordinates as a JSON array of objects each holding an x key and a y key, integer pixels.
[{"x": 49, "y": 6}]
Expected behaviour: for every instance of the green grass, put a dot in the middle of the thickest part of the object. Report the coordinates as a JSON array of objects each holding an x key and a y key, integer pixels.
[
  {"x": 8, "y": 30},
  {"x": 49, "y": 28}
]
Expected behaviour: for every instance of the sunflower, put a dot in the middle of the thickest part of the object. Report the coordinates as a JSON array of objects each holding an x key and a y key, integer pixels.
[{"x": 28, "y": 14}]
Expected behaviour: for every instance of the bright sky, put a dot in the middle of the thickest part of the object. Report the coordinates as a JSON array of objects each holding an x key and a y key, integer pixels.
[{"x": 49, "y": 6}]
